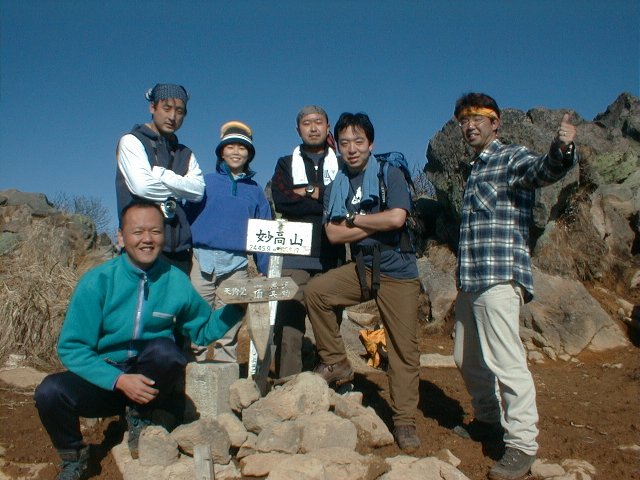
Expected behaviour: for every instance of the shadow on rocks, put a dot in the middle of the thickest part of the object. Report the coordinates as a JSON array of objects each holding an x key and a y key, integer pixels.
[
  {"x": 372, "y": 397},
  {"x": 112, "y": 436}
]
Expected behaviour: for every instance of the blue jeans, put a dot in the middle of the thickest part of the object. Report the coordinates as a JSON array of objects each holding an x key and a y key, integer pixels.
[{"x": 62, "y": 398}]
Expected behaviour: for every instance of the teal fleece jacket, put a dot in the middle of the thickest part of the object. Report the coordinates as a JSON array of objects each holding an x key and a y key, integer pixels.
[{"x": 116, "y": 308}]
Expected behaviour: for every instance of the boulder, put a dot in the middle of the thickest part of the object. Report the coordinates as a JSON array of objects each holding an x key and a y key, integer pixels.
[
  {"x": 372, "y": 431},
  {"x": 260, "y": 464},
  {"x": 204, "y": 431},
  {"x": 325, "y": 429},
  {"x": 234, "y": 428},
  {"x": 156, "y": 447},
  {"x": 341, "y": 464},
  {"x": 437, "y": 273},
  {"x": 307, "y": 393},
  {"x": 568, "y": 319},
  {"x": 282, "y": 437},
  {"x": 299, "y": 467},
  {"x": 242, "y": 393},
  {"x": 37, "y": 203},
  {"x": 404, "y": 467}
]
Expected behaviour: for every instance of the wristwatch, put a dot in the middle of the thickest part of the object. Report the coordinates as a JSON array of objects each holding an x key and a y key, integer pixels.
[
  {"x": 568, "y": 150},
  {"x": 309, "y": 189},
  {"x": 349, "y": 219}
]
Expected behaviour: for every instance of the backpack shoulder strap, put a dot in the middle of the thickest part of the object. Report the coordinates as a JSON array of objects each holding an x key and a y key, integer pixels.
[{"x": 382, "y": 181}]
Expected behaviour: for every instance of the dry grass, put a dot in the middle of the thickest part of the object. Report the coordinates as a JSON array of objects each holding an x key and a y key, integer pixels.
[{"x": 36, "y": 281}]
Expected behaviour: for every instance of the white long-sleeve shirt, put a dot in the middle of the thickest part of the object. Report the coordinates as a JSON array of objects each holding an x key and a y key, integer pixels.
[{"x": 156, "y": 183}]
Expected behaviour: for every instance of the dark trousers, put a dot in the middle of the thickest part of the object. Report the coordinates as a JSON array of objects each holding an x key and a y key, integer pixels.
[
  {"x": 289, "y": 328},
  {"x": 62, "y": 398}
]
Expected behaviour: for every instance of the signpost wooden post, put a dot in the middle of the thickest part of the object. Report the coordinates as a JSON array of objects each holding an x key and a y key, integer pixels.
[
  {"x": 258, "y": 292},
  {"x": 203, "y": 462},
  {"x": 277, "y": 238}
]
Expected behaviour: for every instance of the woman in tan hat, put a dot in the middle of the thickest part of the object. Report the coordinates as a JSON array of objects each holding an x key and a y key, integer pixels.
[{"x": 219, "y": 226}]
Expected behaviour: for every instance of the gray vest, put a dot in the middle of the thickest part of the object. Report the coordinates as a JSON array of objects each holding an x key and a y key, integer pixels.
[{"x": 172, "y": 156}]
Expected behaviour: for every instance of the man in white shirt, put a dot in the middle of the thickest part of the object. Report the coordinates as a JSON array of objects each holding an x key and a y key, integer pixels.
[{"x": 153, "y": 165}]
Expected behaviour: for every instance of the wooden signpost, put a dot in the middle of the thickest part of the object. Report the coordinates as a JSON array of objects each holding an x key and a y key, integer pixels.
[
  {"x": 277, "y": 238},
  {"x": 258, "y": 292}
]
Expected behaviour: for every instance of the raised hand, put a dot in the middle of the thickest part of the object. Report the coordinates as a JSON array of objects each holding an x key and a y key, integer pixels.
[{"x": 566, "y": 132}]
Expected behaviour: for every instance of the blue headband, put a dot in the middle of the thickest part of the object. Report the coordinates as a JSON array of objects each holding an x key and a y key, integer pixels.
[{"x": 163, "y": 91}]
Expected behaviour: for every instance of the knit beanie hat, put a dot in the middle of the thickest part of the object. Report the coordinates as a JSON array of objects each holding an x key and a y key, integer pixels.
[
  {"x": 163, "y": 91},
  {"x": 236, "y": 132}
]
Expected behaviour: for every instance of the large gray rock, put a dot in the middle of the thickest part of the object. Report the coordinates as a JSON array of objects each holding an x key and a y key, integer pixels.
[
  {"x": 282, "y": 437},
  {"x": 205, "y": 431},
  {"x": 183, "y": 468},
  {"x": 234, "y": 427},
  {"x": 341, "y": 464},
  {"x": 612, "y": 209},
  {"x": 307, "y": 393},
  {"x": 156, "y": 447},
  {"x": 372, "y": 431},
  {"x": 134, "y": 470},
  {"x": 299, "y": 467},
  {"x": 430, "y": 468},
  {"x": 568, "y": 319},
  {"x": 248, "y": 447},
  {"x": 37, "y": 202},
  {"x": 325, "y": 429},
  {"x": 8, "y": 242},
  {"x": 260, "y": 464},
  {"x": 437, "y": 273},
  {"x": 242, "y": 393}
]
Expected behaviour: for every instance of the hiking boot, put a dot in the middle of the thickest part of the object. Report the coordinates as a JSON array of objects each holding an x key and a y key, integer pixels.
[
  {"x": 406, "y": 438},
  {"x": 480, "y": 431},
  {"x": 136, "y": 423},
  {"x": 337, "y": 373},
  {"x": 74, "y": 463},
  {"x": 514, "y": 465}
]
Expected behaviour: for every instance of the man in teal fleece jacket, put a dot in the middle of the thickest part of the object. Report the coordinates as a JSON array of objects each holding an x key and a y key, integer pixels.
[{"x": 117, "y": 339}]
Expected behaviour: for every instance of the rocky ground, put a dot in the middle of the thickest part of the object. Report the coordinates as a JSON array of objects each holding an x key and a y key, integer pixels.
[{"x": 589, "y": 410}]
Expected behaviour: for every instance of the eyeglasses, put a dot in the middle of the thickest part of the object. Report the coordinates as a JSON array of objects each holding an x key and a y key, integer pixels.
[{"x": 466, "y": 121}]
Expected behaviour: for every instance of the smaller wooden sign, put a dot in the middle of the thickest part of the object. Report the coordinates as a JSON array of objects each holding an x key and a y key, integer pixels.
[{"x": 258, "y": 289}]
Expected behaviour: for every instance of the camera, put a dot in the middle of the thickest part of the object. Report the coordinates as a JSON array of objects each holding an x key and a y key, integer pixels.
[{"x": 168, "y": 208}]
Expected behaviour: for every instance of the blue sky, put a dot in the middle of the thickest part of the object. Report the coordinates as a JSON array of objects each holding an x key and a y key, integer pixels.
[{"x": 73, "y": 73}]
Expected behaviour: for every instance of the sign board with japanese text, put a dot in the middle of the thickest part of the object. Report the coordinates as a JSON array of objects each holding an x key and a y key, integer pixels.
[
  {"x": 279, "y": 236},
  {"x": 257, "y": 289}
]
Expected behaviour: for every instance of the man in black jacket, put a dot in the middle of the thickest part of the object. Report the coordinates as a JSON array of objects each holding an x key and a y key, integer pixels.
[{"x": 297, "y": 188}]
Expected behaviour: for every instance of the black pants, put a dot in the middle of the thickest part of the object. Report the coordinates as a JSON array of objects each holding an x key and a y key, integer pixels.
[
  {"x": 289, "y": 328},
  {"x": 62, "y": 398}
]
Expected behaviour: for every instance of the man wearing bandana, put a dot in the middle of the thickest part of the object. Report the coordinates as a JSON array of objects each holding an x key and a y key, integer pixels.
[
  {"x": 153, "y": 165},
  {"x": 494, "y": 278}
]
